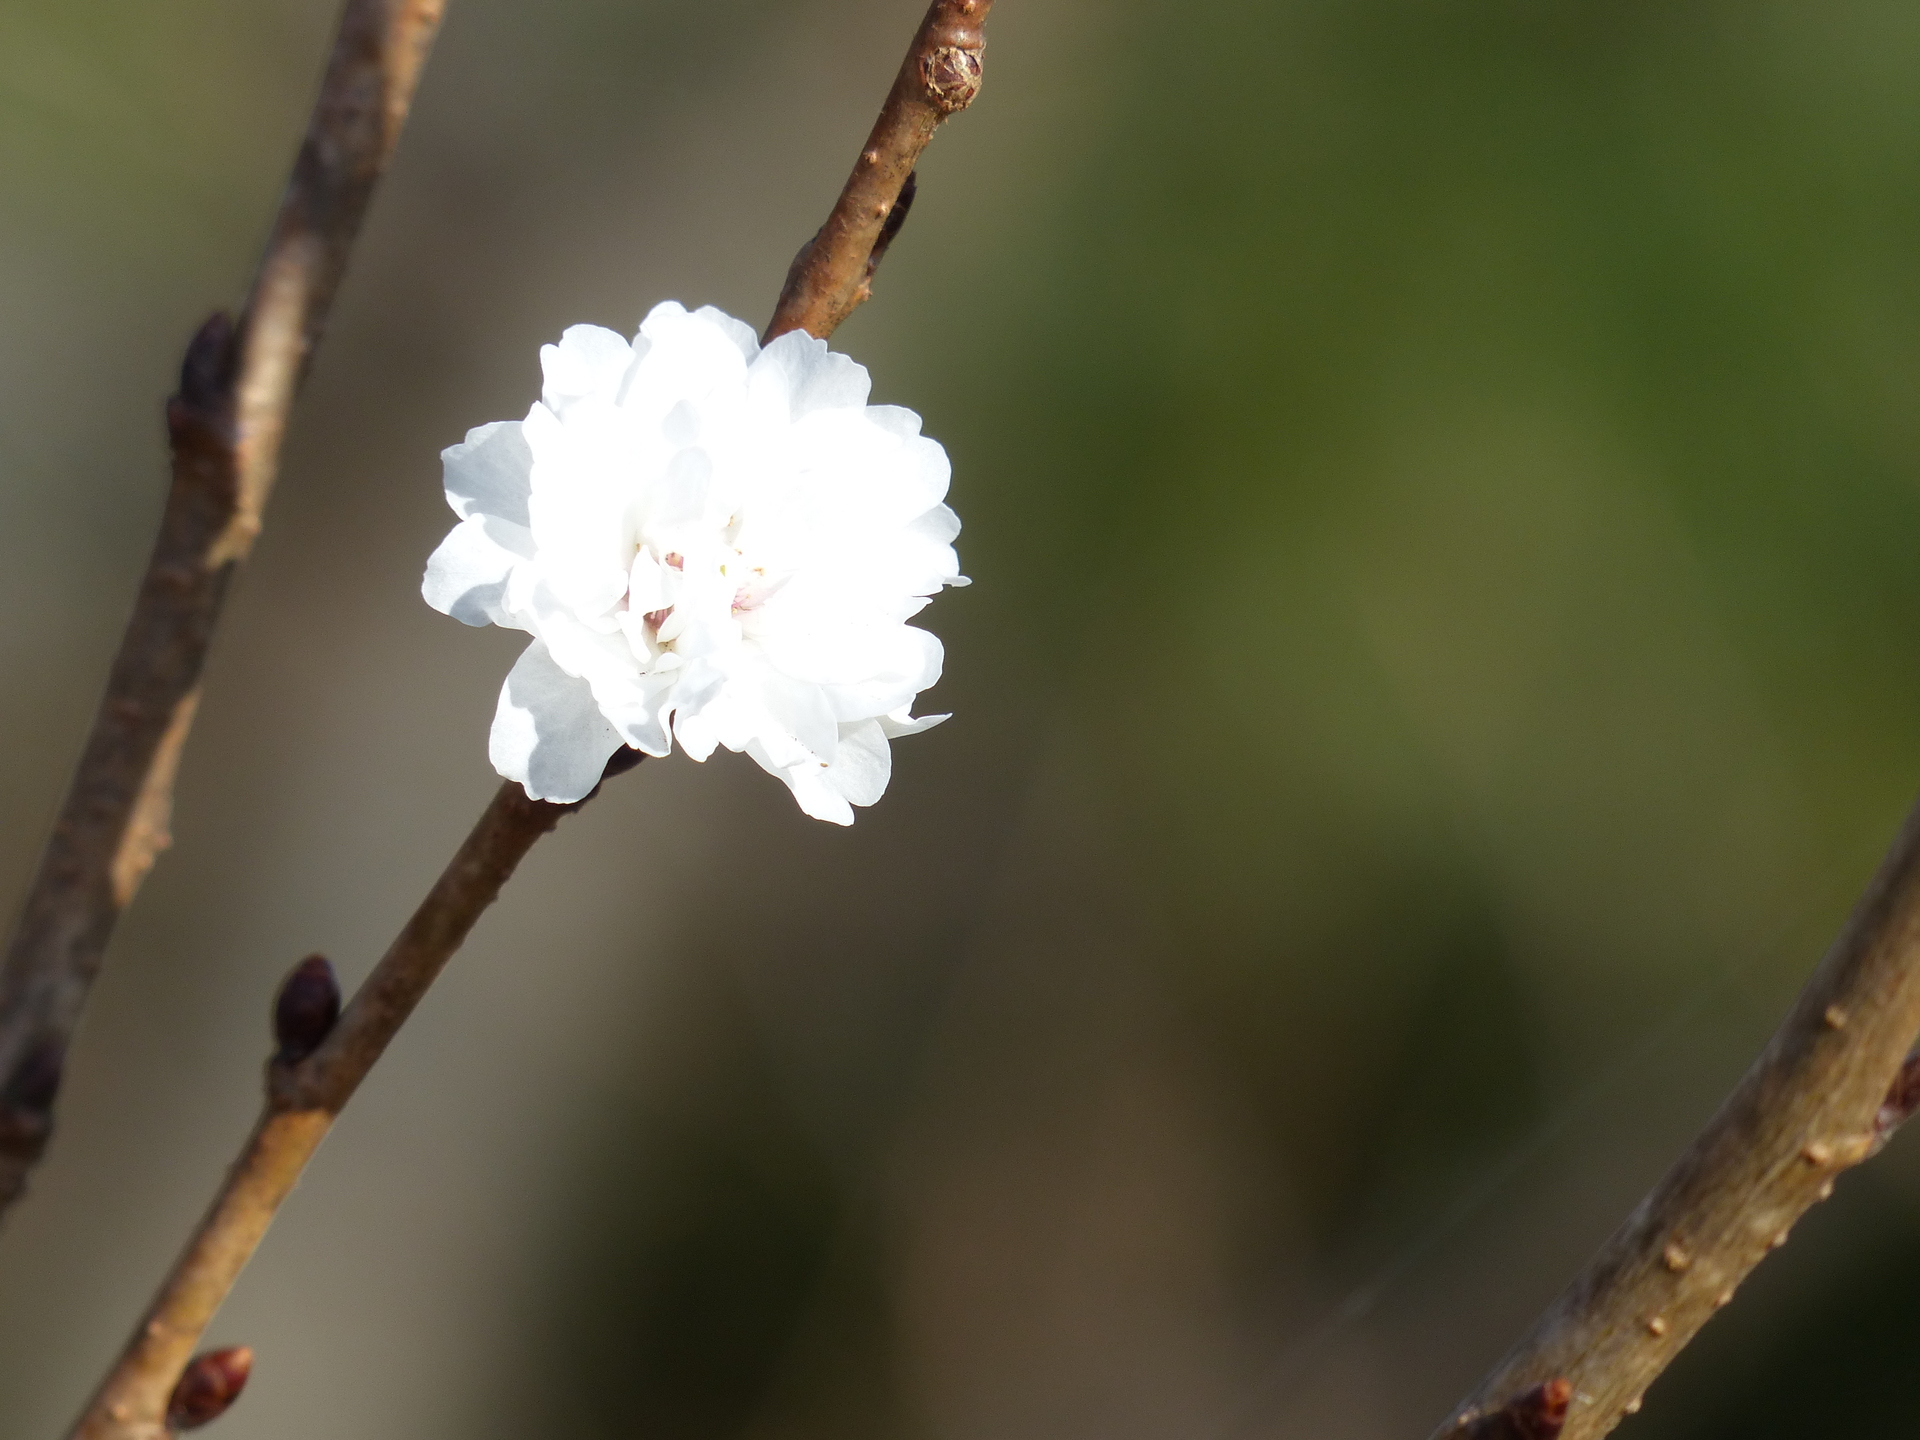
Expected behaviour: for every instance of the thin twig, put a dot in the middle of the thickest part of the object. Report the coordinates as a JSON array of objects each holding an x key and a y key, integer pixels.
[
  {"x": 831, "y": 275},
  {"x": 307, "y": 1087},
  {"x": 226, "y": 423},
  {"x": 303, "y": 1097},
  {"x": 1823, "y": 1096}
]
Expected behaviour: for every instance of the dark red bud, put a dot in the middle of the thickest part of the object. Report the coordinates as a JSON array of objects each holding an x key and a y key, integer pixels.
[
  {"x": 206, "y": 372},
  {"x": 1538, "y": 1414},
  {"x": 305, "y": 1009},
  {"x": 26, "y": 1101},
  {"x": 34, "y": 1085},
  {"x": 1903, "y": 1098},
  {"x": 211, "y": 1382}
]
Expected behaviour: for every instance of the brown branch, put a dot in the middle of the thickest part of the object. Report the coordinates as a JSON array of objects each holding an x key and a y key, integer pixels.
[
  {"x": 236, "y": 386},
  {"x": 320, "y": 1062},
  {"x": 833, "y": 273},
  {"x": 303, "y": 1097},
  {"x": 1823, "y": 1096}
]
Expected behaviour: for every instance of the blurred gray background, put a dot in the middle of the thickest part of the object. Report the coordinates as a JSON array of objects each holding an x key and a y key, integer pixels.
[{"x": 1443, "y": 486}]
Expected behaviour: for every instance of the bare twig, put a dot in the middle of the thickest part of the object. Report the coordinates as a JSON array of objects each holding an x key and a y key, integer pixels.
[
  {"x": 303, "y": 1097},
  {"x": 311, "y": 1078},
  {"x": 226, "y": 424},
  {"x": 833, "y": 273},
  {"x": 1830, "y": 1086}
]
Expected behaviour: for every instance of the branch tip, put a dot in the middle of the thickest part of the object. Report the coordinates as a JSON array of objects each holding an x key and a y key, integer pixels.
[{"x": 939, "y": 77}]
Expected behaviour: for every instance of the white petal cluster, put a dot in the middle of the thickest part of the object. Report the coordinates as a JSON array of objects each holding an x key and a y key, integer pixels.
[{"x": 710, "y": 542}]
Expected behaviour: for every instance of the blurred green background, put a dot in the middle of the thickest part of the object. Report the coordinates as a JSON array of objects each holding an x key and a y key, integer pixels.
[{"x": 1443, "y": 487}]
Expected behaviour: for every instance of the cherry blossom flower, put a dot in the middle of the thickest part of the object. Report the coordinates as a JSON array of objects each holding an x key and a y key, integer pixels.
[{"x": 709, "y": 541}]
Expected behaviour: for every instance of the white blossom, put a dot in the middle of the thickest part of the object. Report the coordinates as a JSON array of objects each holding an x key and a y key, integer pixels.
[{"x": 710, "y": 542}]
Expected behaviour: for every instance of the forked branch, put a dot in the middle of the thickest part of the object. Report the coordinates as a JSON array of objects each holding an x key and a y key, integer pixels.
[
  {"x": 226, "y": 423},
  {"x": 1825, "y": 1094}
]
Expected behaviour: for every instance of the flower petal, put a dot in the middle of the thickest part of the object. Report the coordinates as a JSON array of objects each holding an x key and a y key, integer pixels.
[
  {"x": 713, "y": 544},
  {"x": 816, "y": 378},
  {"x": 810, "y": 790},
  {"x": 899, "y": 723},
  {"x": 738, "y": 331},
  {"x": 589, "y": 360},
  {"x": 864, "y": 764},
  {"x": 547, "y": 732},
  {"x": 488, "y": 473},
  {"x": 467, "y": 576}
]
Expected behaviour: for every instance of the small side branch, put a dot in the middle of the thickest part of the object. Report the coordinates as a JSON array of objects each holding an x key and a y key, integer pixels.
[
  {"x": 833, "y": 273},
  {"x": 226, "y": 423},
  {"x": 309, "y": 1080},
  {"x": 1830, "y": 1087}
]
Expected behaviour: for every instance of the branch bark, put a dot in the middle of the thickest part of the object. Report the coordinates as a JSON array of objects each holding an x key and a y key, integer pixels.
[
  {"x": 833, "y": 273},
  {"x": 225, "y": 424},
  {"x": 1823, "y": 1096},
  {"x": 307, "y": 1087},
  {"x": 303, "y": 1098}
]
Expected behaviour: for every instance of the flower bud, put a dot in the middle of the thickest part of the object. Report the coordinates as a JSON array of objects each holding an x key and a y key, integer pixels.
[
  {"x": 305, "y": 1009},
  {"x": 26, "y": 1100},
  {"x": 1538, "y": 1414},
  {"x": 1903, "y": 1096},
  {"x": 211, "y": 1382},
  {"x": 37, "y": 1081},
  {"x": 206, "y": 373},
  {"x": 952, "y": 77}
]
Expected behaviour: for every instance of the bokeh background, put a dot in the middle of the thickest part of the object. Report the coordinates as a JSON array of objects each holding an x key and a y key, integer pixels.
[{"x": 1442, "y": 482}]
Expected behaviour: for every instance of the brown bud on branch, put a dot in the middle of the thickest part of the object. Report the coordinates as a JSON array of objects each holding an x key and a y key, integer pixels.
[
  {"x": 952, "y": 76},
  {"x": 1903, "y": 1098},
  {"x": 1836, "y": 1079},
  {"x": 208, "y": 1387},
  {"x": 329, "y": 1057},
  {"x": 305, "y": 1009},
  {"x": 1538, "y": 1414},
  {"x": 26, "y": 1102},
  {"x": 237, "y": 384}
]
